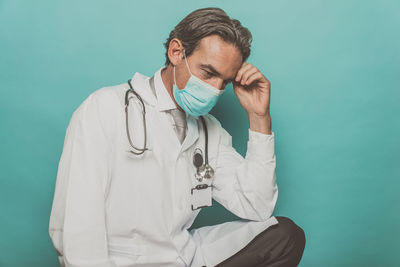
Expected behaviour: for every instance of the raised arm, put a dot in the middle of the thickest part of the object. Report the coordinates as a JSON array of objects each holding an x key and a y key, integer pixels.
[{"x": 247, "y": 186}]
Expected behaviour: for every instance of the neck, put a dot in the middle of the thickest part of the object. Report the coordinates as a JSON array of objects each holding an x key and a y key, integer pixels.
[{"x": 167, "y": 77}]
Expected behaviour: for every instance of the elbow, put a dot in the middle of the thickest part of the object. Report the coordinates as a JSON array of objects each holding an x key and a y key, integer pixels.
[
  {"x": 267, "y": 204},
  {"x": 265, "y": 201}
]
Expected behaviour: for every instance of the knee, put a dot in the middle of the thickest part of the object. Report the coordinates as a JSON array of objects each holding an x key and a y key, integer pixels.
[{"x": 290, "y": 230}]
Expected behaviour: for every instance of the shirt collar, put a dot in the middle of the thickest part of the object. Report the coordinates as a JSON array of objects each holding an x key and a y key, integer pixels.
[{"x": 164, "y": 100}]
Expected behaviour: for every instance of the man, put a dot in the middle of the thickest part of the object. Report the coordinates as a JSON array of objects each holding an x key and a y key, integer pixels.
[{"x": 127, "y": 190}]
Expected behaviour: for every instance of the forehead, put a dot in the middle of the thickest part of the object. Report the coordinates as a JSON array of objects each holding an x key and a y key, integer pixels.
[{"x": 223, "y": 56}]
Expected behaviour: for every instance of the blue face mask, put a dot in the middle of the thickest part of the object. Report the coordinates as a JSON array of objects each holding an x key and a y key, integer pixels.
[{"x": 198, "y": 97}]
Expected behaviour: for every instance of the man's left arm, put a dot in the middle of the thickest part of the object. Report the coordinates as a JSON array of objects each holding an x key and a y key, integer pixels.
[{"x": 247, "y": 186}]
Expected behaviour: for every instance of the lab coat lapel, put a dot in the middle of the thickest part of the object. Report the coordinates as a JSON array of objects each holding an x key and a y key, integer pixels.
[
  {"x": 192, "y": 133},
  {"x": 167, "y": 140}
]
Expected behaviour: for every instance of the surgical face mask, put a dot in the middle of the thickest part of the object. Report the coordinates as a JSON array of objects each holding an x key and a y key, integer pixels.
[{"x": 198, "y": 97}]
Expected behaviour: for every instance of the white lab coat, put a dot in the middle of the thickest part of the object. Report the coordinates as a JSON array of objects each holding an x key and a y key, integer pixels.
[{"x": 113, "y": 208}]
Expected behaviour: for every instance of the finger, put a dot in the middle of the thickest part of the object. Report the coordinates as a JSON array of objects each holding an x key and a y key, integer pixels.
[
  {"x": 239, "y": 74},
  {"x": 255, "y": 76},
  {"x": 247, "y": 74},
  {"x": 242, "y": 70}
]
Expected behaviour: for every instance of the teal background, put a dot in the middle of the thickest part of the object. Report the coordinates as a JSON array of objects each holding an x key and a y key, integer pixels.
[{"x": 334, "y": 70}]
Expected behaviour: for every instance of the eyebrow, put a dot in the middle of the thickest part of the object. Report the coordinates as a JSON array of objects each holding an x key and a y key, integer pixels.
[{"x": 213, "y": 70}]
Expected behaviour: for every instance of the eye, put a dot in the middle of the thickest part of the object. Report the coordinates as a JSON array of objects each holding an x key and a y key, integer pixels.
[{"x": 209, "y": 74}]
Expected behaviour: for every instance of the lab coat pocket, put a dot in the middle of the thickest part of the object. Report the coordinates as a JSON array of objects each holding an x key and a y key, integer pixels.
[
  {"x": 129, "y": 250},
  {"x": 144, "y": 155},
  {"x": 126, "y": 247},
  {"x": 128, "y": 149}
]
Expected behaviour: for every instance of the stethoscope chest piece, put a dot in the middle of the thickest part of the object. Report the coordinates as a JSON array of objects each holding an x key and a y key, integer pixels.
[
  {"x": 198, "y": 158},
  {"x": 203, "y": 170}
]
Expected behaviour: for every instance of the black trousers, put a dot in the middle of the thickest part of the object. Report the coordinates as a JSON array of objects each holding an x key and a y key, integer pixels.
[{"x": 281, "y": 244}]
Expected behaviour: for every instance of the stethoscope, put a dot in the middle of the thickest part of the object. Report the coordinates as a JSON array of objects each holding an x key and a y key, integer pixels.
[{"x": 203, "y": 169}]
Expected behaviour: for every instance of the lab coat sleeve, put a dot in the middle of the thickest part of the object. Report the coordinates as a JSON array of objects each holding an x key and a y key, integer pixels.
[
  {"x": 247, "y": 186},
  {"x": 77, "y": 222}
]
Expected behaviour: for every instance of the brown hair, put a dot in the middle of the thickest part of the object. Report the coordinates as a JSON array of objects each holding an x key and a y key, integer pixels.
[{"x": 207, "y": 21}]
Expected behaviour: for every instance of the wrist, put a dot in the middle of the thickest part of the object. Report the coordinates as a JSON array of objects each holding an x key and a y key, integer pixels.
[{"x": 260, "y": 123}]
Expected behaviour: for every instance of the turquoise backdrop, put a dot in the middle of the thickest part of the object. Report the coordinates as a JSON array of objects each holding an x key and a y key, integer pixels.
[{"x": 334, "y": 67}]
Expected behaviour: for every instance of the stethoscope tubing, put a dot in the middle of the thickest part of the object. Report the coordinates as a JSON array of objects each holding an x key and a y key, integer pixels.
[{"x": 142, "y": 150}]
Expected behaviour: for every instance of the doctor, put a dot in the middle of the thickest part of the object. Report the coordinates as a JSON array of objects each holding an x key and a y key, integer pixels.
[{"x": 112, "y": 207}]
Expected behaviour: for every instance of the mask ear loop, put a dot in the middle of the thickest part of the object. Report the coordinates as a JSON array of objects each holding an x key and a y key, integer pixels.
[
  {"x": 175, "y": 78},
  {"x": 187, "y": 65}
]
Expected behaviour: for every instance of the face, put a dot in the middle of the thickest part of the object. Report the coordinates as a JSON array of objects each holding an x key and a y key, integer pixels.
[{"x": 214, "y": 61}]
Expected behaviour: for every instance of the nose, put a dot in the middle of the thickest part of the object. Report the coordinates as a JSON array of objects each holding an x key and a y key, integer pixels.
[{"x": 218, "y": 83}]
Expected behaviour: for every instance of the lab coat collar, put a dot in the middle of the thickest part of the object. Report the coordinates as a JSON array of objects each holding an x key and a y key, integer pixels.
[
  {"x": 164, "y": 100},
  {"x": 141, "y": 85}
]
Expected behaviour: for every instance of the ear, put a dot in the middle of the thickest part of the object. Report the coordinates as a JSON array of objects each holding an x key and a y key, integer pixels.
[{"x": 175, "y": 51}]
